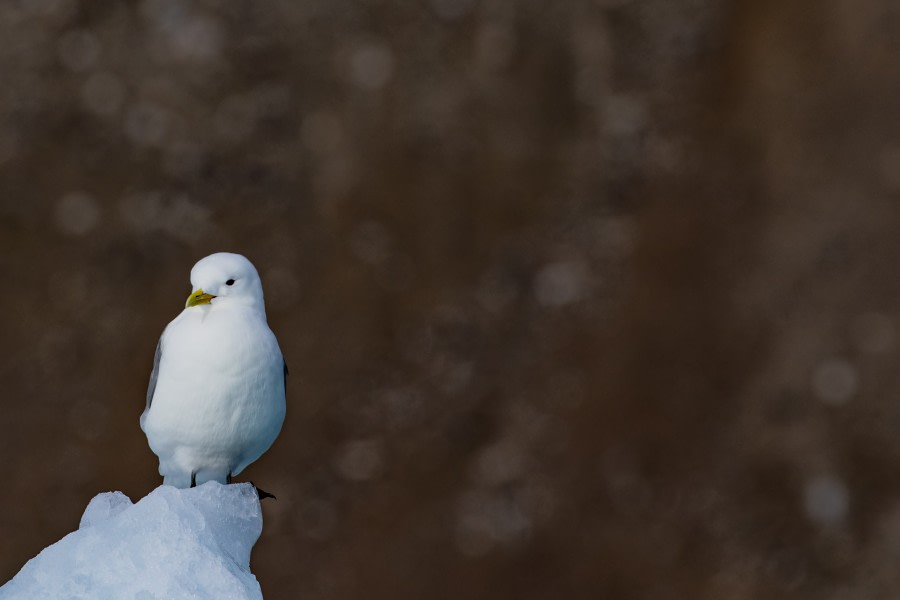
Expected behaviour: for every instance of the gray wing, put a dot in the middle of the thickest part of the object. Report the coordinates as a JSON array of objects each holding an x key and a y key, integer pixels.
[{"x": 153, "y": 375}]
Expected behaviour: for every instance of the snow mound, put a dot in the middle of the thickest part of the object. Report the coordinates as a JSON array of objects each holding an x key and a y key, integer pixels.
[{"x": 174, "y": 543}]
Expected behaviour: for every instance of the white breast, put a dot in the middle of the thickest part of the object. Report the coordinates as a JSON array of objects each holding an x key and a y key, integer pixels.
[{"x": 219, "y": 399}]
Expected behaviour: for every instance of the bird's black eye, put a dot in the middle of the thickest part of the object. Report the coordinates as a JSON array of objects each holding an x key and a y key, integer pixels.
[{"x": 229, "y": 282}]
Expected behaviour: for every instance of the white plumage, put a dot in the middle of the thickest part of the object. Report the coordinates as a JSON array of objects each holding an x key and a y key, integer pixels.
[{"x": 216, "y": 398}]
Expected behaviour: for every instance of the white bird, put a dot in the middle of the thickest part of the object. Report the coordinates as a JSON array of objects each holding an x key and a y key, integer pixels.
[{"x": 215, "y": 402}]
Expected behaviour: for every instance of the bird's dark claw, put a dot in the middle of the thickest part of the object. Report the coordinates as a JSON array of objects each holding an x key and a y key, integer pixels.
[{"x": 263, "y": 493}]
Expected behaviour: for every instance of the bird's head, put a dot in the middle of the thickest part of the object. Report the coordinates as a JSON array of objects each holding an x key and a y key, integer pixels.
[{"x": 225, "y": 278}]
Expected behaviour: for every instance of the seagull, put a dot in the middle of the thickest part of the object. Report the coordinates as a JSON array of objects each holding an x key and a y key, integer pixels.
[{"x": 215, "y": 402}]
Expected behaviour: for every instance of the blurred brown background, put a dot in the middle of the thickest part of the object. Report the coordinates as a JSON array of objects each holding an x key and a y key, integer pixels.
[{"x": 587, "y": 299}]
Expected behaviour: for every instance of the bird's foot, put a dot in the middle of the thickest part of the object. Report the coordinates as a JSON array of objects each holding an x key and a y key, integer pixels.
[{"x": 263, "y": 493}]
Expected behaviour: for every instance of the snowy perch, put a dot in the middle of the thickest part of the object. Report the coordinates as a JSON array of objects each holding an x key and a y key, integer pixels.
[{"x": 174, "y": 543}]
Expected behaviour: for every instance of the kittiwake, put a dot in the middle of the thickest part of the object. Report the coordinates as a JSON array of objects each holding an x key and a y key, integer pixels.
[{"x": 215, "y": 402}]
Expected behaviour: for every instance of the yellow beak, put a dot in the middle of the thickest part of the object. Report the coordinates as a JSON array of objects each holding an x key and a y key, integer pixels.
[{"x": 198, "y": 297}]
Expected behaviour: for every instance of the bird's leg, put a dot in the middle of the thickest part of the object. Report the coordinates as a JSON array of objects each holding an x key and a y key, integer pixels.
[
  {"x": 228, "y": 478},
  {"x": 193, "y": 478}
]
